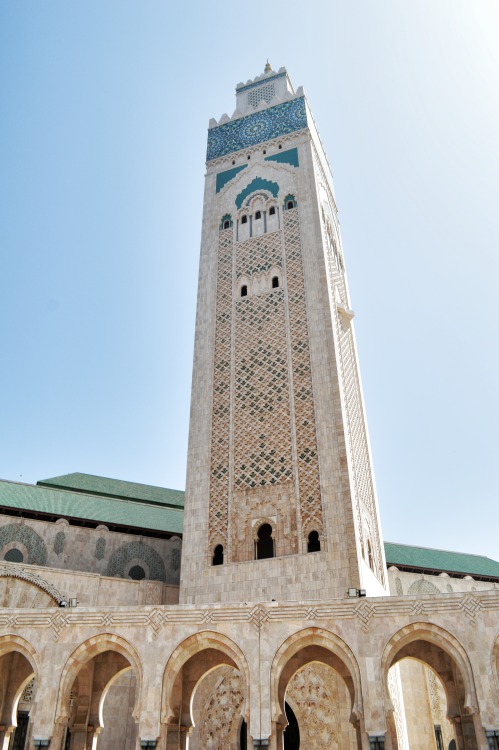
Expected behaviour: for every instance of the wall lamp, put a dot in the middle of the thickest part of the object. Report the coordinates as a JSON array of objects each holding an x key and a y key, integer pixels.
[
  {"x": 148, "y": 743},
  {"x": 356, "y": 592}
]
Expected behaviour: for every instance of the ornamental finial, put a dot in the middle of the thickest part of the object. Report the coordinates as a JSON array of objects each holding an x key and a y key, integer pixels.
[{"x": 268, "y": 67}]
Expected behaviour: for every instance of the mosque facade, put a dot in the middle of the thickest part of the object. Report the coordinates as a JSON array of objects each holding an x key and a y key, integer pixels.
[{"x": 261, "y": 608}]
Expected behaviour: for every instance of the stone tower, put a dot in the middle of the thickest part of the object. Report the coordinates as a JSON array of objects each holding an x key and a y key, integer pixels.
[{"x": 280, "y": 495}]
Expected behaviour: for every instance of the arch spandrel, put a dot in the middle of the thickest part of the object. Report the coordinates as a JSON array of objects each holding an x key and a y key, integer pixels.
[
  {"x": 398, "y": 647},
  {"x": 11, "y": 642},
  {"x": 320, "y": 645},
  {"x": 206, "y": 640},
  {"x": 44, "y": 594},
  {"x": 82, "y": 655}
]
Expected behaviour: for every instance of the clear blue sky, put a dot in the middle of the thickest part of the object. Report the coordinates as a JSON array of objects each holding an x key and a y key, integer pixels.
[{"x": 104, "y": 110}]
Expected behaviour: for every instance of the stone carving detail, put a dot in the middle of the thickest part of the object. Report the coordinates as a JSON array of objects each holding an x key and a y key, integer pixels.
[
  {"x": 313, "y": 695},
  {"x": 305, "y": 425},
  {"x": 19, "y": 532},
  {"x": 136, "y": 551},
  {"x": 59, "y": 540},
  {"x": 262, "y": 422},
  {"x": 14, "y": 571},
  {"x": 100, "y": 548},
  {"x": 219, "y": 482},
  {"x": 28, "y": 692},
  {"x": 423, "y": 587},
  {"x": 175, "y": 558},
  {"x": 395, "y": 690},
  {"x": 221, "y": 712},
  {"x": 438, "y": 705},
  {"x": 398, "y": 587}
]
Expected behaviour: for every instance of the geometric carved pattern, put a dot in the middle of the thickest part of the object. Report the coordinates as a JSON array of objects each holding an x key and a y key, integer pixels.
[
  {"x": 423, "y": 587},
  {"x": 59, "y": 540},
  {"x": 313, "y": 694},
  {"x": 100, "y": 548},
  {"x": 262, "y": 424},
  {"x": 306, "y": 439},
  {"x": 136, "y": 551},
  {"x": 29, "y": 538},
  {"x": 219, "y": 475}
]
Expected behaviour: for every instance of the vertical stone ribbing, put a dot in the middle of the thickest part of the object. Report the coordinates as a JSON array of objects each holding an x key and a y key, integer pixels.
[
  {"x": 306, "y": 439},
  {"x": 219, "y": 475}
]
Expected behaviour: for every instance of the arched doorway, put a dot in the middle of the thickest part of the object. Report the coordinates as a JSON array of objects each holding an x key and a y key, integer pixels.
[
  {"x": 205, "y": 698},
  {"x": 98, "y": 695},
  {"x": 17, "y": 689},
  {"x": 435, "y": 695},
  {"x": 316, "y": 692}
]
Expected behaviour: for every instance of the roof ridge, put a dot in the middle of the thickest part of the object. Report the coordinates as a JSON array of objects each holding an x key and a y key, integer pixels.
[{"x": 439, "y": 549}]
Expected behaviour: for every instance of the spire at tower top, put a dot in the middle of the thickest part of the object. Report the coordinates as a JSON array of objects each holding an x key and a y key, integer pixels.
[{"x": 268, "y": 67}]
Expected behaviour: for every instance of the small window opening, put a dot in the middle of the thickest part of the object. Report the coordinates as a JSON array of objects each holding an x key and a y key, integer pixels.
[
  {"x": 233, "y": 161},
  {"x": 265, "y": 543},
  {"x": 271, "y": 210},
  {"x": 280, "y": 146},
  {"x": 289, "y": 204},
  {"x": 264, "y": 150},
  {"x": 314, "y": 544},
  {"x": 244, "y": 291},
  {"x": 226, "y": 224},
  {"x": 218, "y": 555},
  {"x": 244, "y": 220},
  {"x": 249, "y": 157},
  {"x": 14, "y": 555},
  {"x": 258, "y": 215},
  {"x": 137, "y": 573},
  {"x": 275, "y": 282}
]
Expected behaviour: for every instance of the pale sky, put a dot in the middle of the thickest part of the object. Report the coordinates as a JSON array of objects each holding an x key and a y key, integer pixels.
[{"x": 104, "y": 111}]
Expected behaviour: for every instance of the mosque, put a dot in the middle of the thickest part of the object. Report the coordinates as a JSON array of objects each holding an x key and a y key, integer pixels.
[{"x": 260, "y": 608}]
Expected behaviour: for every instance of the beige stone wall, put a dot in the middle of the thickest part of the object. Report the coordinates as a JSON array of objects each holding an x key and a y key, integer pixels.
[
  {"x": 171, "y": 649},
  {"x": 403, "y": 583},
  {"x": 67, "y": 547},
  {"x": 24, "y": 588},
  {"x": 277, "y": 432}
]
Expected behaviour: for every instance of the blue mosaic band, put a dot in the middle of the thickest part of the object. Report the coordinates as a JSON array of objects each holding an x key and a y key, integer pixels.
[{"x": 257, "y": 128}]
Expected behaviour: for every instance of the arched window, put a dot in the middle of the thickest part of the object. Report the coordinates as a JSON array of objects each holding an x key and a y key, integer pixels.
[
  {"x": 289, "y": 202},
  {"x": 136, "y": 573},
  {"x": 244, "y": 291},
  {"x": 218, "y": 555},
  {"x": 272, "y": 211},
  {"x": 258, "y": 215},
  {"x": 275, "y": 282},
  {"x": 14, "y": 555},
  {"x": 226, "y": 222},
  {"x": 244, "y": 219},
  {"x": 314, "y": 544},
  {"x": 264, "y": 545}
]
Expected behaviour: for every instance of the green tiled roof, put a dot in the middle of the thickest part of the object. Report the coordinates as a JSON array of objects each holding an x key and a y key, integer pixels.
[
  {"x": 79, "y": 505},
  {"x": 438, "y": 559},
  {"x": 116, "y": 488}
]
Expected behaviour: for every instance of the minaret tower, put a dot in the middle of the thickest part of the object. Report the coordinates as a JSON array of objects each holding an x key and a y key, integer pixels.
[{"x": 280, "y": 496}]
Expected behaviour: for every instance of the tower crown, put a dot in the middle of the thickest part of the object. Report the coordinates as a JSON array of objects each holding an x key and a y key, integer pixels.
[{"x": 264, "y": 88}]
